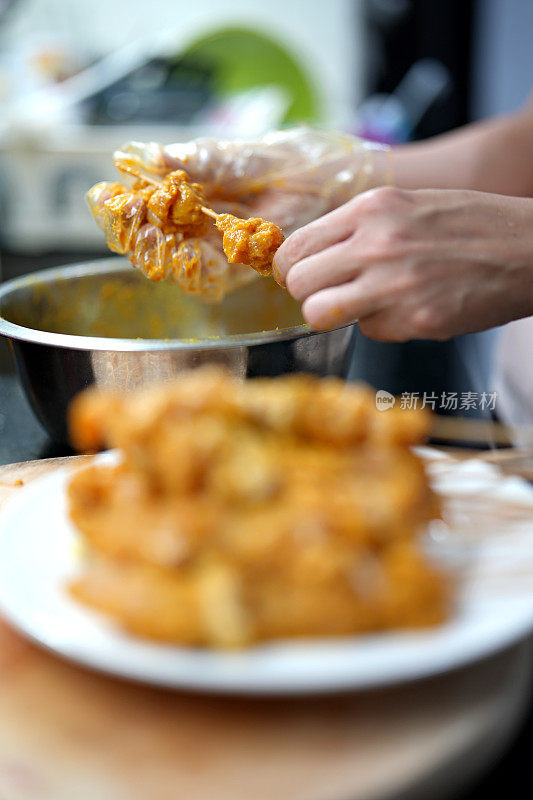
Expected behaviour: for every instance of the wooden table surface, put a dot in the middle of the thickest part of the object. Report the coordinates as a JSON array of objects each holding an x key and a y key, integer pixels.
[{"x": 70, "y": 734}]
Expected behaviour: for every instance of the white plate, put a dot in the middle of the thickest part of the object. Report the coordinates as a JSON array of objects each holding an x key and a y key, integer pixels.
[{"x": 494, "y": 607}]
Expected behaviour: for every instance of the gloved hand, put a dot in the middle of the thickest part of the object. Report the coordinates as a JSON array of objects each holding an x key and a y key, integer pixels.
[{"x": 289, "y": 177}]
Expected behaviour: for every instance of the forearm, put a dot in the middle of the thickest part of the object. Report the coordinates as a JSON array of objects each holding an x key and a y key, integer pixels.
[{"x": 492, "y": 156}]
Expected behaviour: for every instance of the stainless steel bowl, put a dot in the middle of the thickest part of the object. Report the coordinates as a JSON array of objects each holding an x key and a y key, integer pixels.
[{"x": 103, "y": 323}]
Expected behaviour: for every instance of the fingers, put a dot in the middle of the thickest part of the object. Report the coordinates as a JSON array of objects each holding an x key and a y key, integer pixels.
[
  {"x": 362, "y": 300},
  {"x": 323, "y": 233},
  {"x": 382, "y": 327},
  {"x": 97, "y": 196},
  {"x": 341, "y": 305},
  {"x": 369, "y": 217},
  {"x": 331, "y": 267}
]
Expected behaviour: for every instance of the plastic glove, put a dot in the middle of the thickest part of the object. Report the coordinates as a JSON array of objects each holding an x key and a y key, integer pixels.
[{"x": 289, "y": 177}]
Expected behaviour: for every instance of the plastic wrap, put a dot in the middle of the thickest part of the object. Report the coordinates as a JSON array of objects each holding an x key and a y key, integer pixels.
[{"x": 290, "y": 177}]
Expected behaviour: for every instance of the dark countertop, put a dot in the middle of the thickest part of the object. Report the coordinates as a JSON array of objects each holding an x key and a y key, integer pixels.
[{"x": 22, "y": 438}]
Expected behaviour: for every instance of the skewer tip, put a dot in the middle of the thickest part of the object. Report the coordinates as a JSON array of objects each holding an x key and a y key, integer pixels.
[{"x": 209, "y": 212}]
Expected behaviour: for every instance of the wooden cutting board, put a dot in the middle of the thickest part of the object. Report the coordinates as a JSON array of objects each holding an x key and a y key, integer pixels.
[{"x": 70, "y": 734}]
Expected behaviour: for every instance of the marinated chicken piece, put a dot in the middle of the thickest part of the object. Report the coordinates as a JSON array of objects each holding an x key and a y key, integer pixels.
[
  {"x": 176, "y": 205},
  {"x": 244, "y": 512},
  {"x": 250, "y": 241}
]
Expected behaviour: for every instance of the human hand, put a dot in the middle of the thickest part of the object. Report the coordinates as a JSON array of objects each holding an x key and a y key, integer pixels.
[{"x": 418, "y": 264}]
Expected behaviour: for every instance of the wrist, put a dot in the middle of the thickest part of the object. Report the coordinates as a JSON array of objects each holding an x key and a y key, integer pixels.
[
  {"x": 517, "y": 245},
  {"x": 370, "y": 166}
]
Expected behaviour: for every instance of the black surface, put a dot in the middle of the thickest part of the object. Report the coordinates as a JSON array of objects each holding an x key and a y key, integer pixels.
[
  {"x": 16, "y": 264},
  {"x": 397, "y": 33},
  {"x": 22, "y": 439}
]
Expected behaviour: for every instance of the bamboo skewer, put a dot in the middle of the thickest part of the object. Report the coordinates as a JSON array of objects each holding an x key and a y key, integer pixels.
[
  {"x": 148, "y": 180},
  {"x": 208, "y": 211}
]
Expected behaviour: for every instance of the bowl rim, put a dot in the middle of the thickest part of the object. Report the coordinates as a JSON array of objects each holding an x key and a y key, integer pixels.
[{"x": 79, "y": 342}]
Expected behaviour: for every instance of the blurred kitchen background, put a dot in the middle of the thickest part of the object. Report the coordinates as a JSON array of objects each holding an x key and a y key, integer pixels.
[{"x": 78, "y": 79}]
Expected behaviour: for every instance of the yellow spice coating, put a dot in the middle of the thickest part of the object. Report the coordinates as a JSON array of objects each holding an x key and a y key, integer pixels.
[{"x": 250, "y": 241}]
